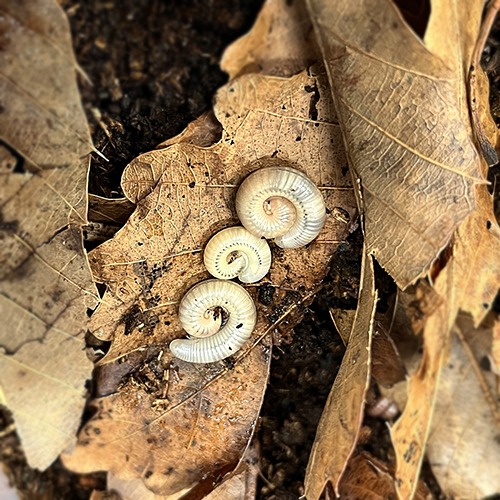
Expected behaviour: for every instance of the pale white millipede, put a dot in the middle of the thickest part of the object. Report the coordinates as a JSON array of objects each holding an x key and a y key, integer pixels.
[
  {"x": 221, "y": 315},
  {"x": 237, "y": 252},
  {"x": 283, "y": 203}
]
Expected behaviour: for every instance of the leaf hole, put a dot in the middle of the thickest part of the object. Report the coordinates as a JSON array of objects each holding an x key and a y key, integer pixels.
[
  {"x": 11, "y": 161},
  {"x": 416, "y": 14}
]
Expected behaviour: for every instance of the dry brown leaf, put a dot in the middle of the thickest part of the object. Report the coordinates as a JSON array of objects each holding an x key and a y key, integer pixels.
[
  {"x": 387, "y": 367},
  {"x": 495, "y": 349},
  {"x": 340, "y": 423},
  {"x": 410, "y": 433},
  {"x": 405, "y": 121},
  {"x": 368, "y": 478},
  {"x": 135, "y": 489},
  {"x": 113, "y": 211},
  {"x": 242, "y": 484},
  {"x": 483, "y": 124},
  {"x": 476, "y": 260},
  {"x": 476, "y": 255},
  {"x": 106, "y": 495},
  {"x": 169, "y": 422},
  {"x": 203, "y": 132},
  {"x": 280, "y": 43},
  {"x": 469, "y": 283},
  {"x": 287, "y": 118},
  {"x": 465, "y": 279},
  {"x": 46, "y": 284},
  {"x": 342, "y": 319},
  {"x": 106, "y": 216},
  {"x": 463, "y": 448}
]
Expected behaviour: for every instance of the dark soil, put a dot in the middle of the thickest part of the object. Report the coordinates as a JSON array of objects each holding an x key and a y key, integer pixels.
[{"x": 154, "y": 68}]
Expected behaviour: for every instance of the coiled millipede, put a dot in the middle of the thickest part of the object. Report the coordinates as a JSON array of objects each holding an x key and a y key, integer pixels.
[
  {"x": 283, "y": 203},
  {"x": 237, "y": 252},
  {"x": 221, "y": 315}
]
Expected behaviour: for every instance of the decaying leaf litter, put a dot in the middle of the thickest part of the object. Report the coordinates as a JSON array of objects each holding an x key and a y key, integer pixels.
[
  {"x": 46, "y": 284},
  {"x": 156, "y": 178}
]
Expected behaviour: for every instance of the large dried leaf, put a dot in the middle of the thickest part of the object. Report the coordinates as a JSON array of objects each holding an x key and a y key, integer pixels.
[
  {"x": 280, "y": 43},
  {"x": 469, "y": 283},
  {"x": 405, "y": 123},
  {"x": 242, "y": 484},
  {"x": 341, "y": 421},
  {"x": 463, "y": 448},
  {"x": 46, "y": 285},
  {"x": 476, "y": 260},
  {"x": 410, "y": 433},
  {"x": 368, "y": 478},
  {"x": 169, "y": 422},
  {"x": 135, "y": 490}
]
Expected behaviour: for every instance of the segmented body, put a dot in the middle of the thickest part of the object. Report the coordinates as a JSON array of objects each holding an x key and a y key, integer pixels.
[
  {"x": 221, "y": 315},
  {"x": 282, "y": 203},
  {"x": 237, "y": 252}
]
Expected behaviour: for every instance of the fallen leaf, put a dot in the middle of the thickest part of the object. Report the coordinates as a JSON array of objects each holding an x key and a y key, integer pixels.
[
  {"x": 485, "y": 130},
  {"x": 135, "y": 489},
  {"x": 115, "y": 211},
  {"x": 106, "y": 216},
  {"x": 203, "y": 132},
  {"x": 341, "y": 421},
  {"x": 343, "y": 320},
  {"x": 469, "y": 282},
  {"x": 171, "y": 423},
  {"x": 405, "y": 121},
  {"x": 476, "y": 260},
  {"x": 281, "y": 42},
  {"x": 46, "y": 284},
  {"x": 410, "y": 433},
  {"x": 287, "y": 118},
  {"x": 241, "y": 484},
  {"x": 387, "y": 368},
  {"x": 368, "y": 478},
  {"x": 495, "y": 349},
  {"x": 463, "y": 448}
]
